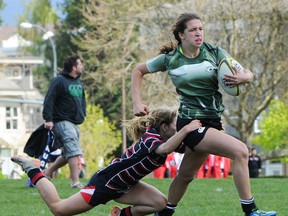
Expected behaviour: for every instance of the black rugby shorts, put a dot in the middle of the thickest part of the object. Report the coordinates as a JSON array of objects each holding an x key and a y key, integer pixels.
[{"x": 195, "y": 137}]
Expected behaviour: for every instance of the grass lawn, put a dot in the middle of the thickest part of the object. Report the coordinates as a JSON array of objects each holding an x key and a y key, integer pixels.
[{"x": 205, "y": 197}]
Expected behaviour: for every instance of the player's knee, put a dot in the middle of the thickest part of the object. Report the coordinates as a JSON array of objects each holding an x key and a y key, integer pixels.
[
  {"x": 57, "y": 211},
  {"x": 242, "y": 154},
  {"x": 160, "y": 204},
  {"x": 185, "y": 177}
]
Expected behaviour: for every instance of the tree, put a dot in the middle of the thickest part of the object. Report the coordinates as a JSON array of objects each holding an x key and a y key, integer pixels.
[
  {"x": 2, "y": 6},
  {"x": 73, "y": 38},
  {"x": 274, "y": 126},
  {"x": 114, "y": 36},
  {"x": 124, "y": 34},
  {"x": 39, "y": 12},
  {"x": 69, "y": 28},
  {"x": 34, "y": 13},
  {"x": 255, "y": 37},
  {"x": 99, "y": 139},
  {"x": 111, "y": 47}
]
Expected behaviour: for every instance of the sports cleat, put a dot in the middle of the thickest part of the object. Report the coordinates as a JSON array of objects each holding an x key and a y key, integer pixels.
[
  {"x": 26, "y": 163},
  {"x": 77, "y": 185},
  {"x": 259, "y": 212},
  {"x": 165, "y": 212},
  {"x": 115, "y": 211}
]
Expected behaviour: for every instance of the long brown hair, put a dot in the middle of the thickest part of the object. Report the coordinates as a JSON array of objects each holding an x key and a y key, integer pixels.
[{"x": 179, "y": 27}]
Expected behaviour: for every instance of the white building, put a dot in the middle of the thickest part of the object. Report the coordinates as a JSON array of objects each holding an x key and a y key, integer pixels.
[{"x": 20, "y": 102}]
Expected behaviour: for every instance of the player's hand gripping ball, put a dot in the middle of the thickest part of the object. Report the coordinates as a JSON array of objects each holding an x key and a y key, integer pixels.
[{"x": 226, "y": 67}]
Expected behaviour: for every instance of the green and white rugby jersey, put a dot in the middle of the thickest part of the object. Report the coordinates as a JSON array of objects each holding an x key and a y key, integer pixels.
[{"x": 195, "y": 80}]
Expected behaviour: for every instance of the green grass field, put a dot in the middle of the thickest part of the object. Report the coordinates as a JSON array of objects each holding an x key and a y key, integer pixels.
[{"x": 205, "y": 197}]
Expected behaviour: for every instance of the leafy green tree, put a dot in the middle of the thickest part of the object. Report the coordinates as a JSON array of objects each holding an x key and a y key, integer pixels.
[
  {"x": 99, "y": 139},
  {"x": 2, "y": 6},
  {"x": 69, "y": 28},
  {"x": 111, "y": 45},
  {"x": 70, "y": 32},
  {"x": 274, "y": 126},
  {"x": 40, "y": 13},
  {"x": 106, "y": 35}
]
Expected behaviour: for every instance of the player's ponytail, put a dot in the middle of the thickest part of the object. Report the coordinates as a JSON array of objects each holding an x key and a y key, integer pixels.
[{"x": 137, "y": 126}]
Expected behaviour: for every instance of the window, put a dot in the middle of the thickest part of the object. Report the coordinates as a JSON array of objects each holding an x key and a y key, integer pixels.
[
  {"x": 11, "y": 118},
  {"x": 13, "y": 72}
]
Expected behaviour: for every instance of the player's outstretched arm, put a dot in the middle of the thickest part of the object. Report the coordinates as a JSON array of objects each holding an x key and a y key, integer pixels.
[{"x": 173, "y": 142}]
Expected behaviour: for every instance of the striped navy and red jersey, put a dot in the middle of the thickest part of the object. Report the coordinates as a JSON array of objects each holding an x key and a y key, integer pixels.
[{"x": 136, "y": 162}]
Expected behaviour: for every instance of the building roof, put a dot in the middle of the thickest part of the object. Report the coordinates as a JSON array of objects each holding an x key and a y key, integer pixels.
[
  {"x": 7, "y": 31},
  {"x": 21, "y": 60},
  {"x": 7, "y": 84}
]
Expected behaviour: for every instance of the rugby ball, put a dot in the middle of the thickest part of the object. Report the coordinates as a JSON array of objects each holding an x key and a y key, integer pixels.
[{"x": 226, "y": 67}]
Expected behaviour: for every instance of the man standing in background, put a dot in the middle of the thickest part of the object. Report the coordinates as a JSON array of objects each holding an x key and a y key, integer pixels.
[
  {"x": 64, "y": 109},
  {"x": 255, "y": 164}
]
